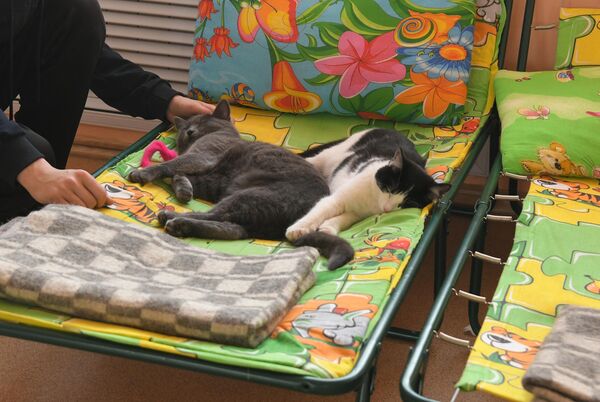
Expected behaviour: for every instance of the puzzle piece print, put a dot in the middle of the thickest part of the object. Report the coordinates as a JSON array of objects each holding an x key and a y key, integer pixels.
[{"x": 581, "y": 273}]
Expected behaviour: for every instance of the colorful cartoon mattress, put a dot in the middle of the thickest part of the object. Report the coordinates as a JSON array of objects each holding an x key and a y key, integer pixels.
[
  {"x": 322, "y": 335},
  {"x": 555, "y": 260}
]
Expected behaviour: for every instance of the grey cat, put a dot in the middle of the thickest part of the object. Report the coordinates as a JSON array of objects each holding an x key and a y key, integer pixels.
[{"x": 258, "y": 189}]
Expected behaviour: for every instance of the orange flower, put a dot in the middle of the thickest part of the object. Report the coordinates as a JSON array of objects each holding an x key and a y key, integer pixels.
[
  {"x": 277, "y": 18},
  {"x": 200, "y": 50},
  {"x": 206, "y": 8},
  {"x": 436, "y": 94},
  {"x": 288, "y": 94},
  {"x": 221, "y": 42}
]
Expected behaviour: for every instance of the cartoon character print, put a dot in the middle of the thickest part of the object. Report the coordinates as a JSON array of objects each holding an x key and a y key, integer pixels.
[
  {"x": 241, "y": 94},
  {"x": 382, "y": 250},
  {"x": 567, "y": 190},
  {"x": 438, "y": 173},
  {"x": 127, "y": 199},
  {"x": 593, "y": 286},
  {"x": 554, "y": 161},
  {"x": 564, "y": 76},
  {"x": 338, "y": 324},
  {"x": 468, "y": 125},
  {"x": 518, "y": 352},
  {"x": 199, "y": 94},
  {"x": 331, "y": 329},
  {"x": 489, "y": 10}
]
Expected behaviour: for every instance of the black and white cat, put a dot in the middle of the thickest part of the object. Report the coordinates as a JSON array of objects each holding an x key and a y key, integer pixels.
[
  {"x": 369, "y": 173},
  {"x": 258, "y": 189}
]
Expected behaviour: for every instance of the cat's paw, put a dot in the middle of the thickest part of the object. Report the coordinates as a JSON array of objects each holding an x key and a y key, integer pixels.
[
  {"x": 299, "y": 229},
  {"x": 184, "y": 195},
  {"x": 183, "y": 189},
  {"x": 328, "y": 229},
  {"x": 165, "y": 216},
  {"x": 178, "y": 227},
  {"x": 141, "y": 176}
]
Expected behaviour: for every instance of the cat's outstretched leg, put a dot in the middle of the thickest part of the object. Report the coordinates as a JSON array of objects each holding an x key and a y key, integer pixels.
[
  {"x": 186, "y": 227},
  {"x": 164, "y": 216},
  {"x": 338, "y": 223},
  {"x": 323, "y": 210},
  {"x": 182, "y": 165},
  {"x": 206, "y": 225}
]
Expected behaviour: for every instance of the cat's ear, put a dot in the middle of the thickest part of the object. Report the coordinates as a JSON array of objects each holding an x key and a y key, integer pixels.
[
  {"x": 179, "y": 122},
  {"x": 222, "y": 111},
  {"x": 438, "y": 190},
  {"x": 398, "y": 159}
]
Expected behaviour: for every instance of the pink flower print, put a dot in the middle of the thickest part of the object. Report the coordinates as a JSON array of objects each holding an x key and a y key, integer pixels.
[{"x": 361, "y": 62}]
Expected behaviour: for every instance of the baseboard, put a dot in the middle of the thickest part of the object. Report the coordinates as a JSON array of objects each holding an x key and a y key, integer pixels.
[{"x": 116, "y": 120}]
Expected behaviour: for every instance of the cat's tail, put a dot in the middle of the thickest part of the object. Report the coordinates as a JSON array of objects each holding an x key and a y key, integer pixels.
[{"x": 337, "y": 250}]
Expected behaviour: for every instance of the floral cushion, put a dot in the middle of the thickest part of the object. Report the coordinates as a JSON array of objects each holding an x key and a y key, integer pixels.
[
  {"x": 550, "y": 121},
  {"x": 578, "y": 38},
  {"x": 407, "y": 60}
]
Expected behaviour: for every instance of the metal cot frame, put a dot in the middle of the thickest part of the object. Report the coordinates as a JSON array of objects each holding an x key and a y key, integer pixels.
[
  {"x": 362, "y": 378},
  {"x": 411, "y": 383}
]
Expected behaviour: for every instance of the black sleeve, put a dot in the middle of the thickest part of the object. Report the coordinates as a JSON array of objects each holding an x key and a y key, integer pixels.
[
  {"x": 129, "y": 88},
  {"x": 16, "y": 153}
]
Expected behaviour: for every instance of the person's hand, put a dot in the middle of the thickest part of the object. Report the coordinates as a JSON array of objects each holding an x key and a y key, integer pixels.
[
  {"x": 181, "y": 106},
  {"x": 48, "y": 185}
]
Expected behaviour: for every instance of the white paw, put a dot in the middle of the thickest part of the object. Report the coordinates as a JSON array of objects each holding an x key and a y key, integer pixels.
[
  {"x": 298, "y": 230},
  {"x": 328, "y": 229}
]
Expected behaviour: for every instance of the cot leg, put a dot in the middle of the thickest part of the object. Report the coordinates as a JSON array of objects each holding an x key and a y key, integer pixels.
[
  {"x": 421, "y": 380},
  {"x": 363, "y": 394},
  {"x": 513, "y": 190},
  {"x": 439, "y": 268},
  {"x": 475, "y": 280},
  {"x": 494, "y": 137},
  {"x": 418, "y": 382}
]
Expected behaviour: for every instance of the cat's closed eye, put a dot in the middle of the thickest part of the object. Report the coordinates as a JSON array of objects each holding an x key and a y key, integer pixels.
[{"x": 189, "y": 132}]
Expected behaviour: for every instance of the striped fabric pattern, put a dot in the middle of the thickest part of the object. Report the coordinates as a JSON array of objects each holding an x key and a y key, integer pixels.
[{"x": 567, "y": 368}]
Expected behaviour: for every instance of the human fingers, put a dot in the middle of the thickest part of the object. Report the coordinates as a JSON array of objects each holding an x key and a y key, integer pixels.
[
  {"x": 96, "y": 190},
  {"x": 85, "y": 195},
  {"x": 72, "y": 198}
]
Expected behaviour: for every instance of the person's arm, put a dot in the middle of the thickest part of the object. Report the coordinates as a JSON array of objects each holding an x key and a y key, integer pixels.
[
  {"x": 16, "y": 153},
  {"x": 48, "y": 185},
  {"x": 129, "y": 88},
  {"x": 22, "y": 163}
]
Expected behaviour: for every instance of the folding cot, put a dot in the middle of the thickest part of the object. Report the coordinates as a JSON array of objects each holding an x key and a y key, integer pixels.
[
  {"x": 554, "y": 257},
  {"x": 364, "y": 295}
]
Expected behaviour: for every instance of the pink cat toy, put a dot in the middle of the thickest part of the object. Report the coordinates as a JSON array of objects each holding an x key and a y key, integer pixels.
[{"x": 157, "y": 146}]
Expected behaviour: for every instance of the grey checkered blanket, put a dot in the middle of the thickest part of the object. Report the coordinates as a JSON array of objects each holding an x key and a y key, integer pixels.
[
  {"x": 567, "y": 368},
  {"x": 81, "y": 262}
]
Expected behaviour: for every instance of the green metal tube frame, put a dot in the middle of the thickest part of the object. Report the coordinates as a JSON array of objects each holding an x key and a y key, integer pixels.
[
  {"x": 476, "y": 268},
  {"x": 359, "y": 379},
  {"x": 410, "y": 378}
]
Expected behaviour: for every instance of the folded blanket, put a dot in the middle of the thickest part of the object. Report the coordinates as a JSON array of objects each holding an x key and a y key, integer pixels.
[
  {"x": 81, "y": 262},
  {"x": 567, "y": 367}
]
